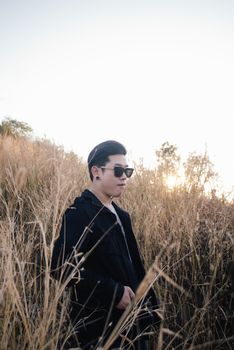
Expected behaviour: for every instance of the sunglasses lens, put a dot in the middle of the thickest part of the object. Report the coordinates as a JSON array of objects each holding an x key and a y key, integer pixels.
[
  {"x": 118, "y": 171},
  {"x": 128, "y": 172}
]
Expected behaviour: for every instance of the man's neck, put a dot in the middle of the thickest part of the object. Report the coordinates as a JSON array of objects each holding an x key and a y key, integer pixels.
[{"x": 103, "y": 198}]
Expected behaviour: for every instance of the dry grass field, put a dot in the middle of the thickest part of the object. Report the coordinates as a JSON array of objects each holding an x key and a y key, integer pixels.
[{"x": 187, "y": 234}]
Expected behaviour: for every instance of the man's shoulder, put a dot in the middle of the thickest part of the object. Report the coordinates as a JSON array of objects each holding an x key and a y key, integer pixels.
[
  {"x": 120, "y": 211},
  {"x": 78, "y": 206},
  {"x": 82, "y": 205}
]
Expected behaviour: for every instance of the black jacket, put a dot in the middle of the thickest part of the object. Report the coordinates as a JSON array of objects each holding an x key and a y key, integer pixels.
[{"x": 101, "y": 277}]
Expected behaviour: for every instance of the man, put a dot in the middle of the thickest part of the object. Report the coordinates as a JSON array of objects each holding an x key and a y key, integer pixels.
[{"x": 97, "y": 254}]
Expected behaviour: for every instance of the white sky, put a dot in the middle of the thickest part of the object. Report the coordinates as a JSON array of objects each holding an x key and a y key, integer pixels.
[{"x": 141, "y": 72}]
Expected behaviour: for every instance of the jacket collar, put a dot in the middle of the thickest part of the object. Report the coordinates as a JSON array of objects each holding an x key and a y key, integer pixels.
[{"x": 88, "y": 195}]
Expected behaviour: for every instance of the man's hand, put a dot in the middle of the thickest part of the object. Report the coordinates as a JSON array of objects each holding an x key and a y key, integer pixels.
[{"x": 127, "y": 297}]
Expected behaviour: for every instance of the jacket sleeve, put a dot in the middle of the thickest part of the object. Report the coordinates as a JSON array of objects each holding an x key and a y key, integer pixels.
[{"x": 76, "y": 239}]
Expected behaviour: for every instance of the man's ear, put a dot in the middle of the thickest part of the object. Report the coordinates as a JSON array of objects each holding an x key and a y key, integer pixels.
[{"x": 95, "y": 171}]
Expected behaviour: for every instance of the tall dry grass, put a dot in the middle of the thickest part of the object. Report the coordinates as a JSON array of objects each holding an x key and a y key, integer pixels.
[
  {"x": 191, "y": 236},
  {"x": 186, "y": 234}
]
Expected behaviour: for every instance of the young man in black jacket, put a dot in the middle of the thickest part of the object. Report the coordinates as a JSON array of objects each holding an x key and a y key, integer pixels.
[{"x": 98, "y": 255}]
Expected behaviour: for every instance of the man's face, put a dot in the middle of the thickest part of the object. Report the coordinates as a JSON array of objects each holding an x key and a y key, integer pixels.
[{"x": 109, "y": 184}]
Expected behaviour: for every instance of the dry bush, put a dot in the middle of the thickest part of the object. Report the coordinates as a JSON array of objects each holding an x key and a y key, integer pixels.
[{"x": 187, "y": 234}]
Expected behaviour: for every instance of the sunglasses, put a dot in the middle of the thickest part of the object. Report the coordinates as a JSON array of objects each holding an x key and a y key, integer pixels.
[{"x": 119, "y": 170}]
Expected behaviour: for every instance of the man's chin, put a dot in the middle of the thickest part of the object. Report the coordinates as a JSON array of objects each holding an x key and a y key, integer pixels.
[{"x": 116, "y": 194}]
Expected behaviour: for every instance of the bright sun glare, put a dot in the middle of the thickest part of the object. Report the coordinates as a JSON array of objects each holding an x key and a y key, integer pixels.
[{"x": 171, "y": 181}]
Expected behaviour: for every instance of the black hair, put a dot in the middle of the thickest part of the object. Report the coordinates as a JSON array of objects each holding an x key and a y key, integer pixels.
[{"x": 99, "y": 155}]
